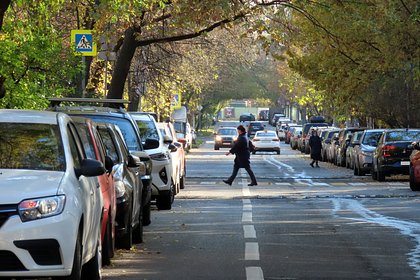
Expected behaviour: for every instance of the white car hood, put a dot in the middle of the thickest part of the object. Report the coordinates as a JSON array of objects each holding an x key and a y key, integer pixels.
[{"x": 17, "y": 184}]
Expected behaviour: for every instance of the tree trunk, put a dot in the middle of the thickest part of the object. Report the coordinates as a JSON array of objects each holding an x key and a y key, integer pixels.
[{"x": 122, "y": 65}]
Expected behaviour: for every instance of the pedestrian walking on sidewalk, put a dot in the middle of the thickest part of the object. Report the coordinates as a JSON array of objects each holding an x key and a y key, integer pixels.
[
  {"x": 241, "y": 151},
  {"x": 316, "y": 146}
]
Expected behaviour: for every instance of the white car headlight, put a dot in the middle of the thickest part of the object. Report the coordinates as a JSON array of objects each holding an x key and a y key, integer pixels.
[
  {"x": 218, "y": 138},
  {"x": 39, "y": 208}
]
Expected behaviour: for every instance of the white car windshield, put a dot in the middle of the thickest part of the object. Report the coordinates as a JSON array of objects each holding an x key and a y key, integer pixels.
[{"x": 31, "y": 146}]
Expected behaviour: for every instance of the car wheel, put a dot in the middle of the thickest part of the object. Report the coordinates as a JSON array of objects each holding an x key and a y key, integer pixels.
[
  {"x": 414, "y": 185},
  {"x": 126, "y": 240},
  {"x": 278, "y": 152},
  {"x": 76, "y": 271},
  {"x": 138, "y": 231},
  {"x": 216, "y": 147},
  {"x": 92, "y": 269},
  {"x": 380, "y": 175},
  {"x": 356, "y": 171},
  {"x": 164, "y": 202},
  {"x": 108, "y": 245},
  {"x": 253, "y": 152},
  {"x": 182, "y": 182},
  {"x": 147, "y": 214}
]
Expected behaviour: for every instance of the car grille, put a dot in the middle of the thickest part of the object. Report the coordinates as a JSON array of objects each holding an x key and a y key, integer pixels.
[
  {"x": 9, "y": 262},
  {"x": 6, "y": 211}
]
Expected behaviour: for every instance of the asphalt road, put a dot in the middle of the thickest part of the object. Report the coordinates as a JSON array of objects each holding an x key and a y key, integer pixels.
[{"x": 298, "y": 223}]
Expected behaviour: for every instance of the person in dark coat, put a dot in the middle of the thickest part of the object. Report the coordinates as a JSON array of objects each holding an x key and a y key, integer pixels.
[
  {"x": 241, "y": 151},
  {"x": 316, "y": 146}
]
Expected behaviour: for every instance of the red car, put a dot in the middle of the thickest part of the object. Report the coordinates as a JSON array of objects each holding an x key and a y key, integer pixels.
[
  {"x": 94, "y": 149},
  {"x": 415, "y": 167}
]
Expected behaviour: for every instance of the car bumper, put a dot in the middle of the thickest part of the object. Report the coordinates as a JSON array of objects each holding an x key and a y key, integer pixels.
[
  {"x": 266, "y": 147},
  {"x": 224, "y": 143},
  {"x": 43, "y": 247},
  {"x": 161, "y": 175},
  {"x": 396, "y": 167},
  {"x": 365, "y": 163}
]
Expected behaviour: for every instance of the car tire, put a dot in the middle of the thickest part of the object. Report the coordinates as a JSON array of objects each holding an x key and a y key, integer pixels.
[
  {"x": 414, "y": 185},
  {"x": 164, "y": 202},
  {"x": 278, "y": 152},
  {"x": 216, "y": 147},
  {"x": 147, "y": 214},
  {"x": 356, "y": 171},
  {"x": 182, "y": 182},
  {"x": 108, "y": 245},
  {"x": 126, "y": 241},
  {"x": 76, "y": 271},
  {"x": 92, "y": 269},
  {"x": 253, "y": 152},
  {"x": 380, "y": 175},
  {"x": 138, "y": 231}
]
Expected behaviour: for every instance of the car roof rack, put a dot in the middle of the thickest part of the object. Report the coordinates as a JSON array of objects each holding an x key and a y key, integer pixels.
[{"x": 55, "y": 102}]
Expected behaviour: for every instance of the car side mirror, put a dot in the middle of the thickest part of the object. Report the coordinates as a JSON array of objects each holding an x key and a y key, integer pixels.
[
  {"x": 172, "y": 148},
  {"x": 109, "y": 164},
  {"x": 90, "y": 168},
  {"x": 167, "y": 139},
  {"x": 151, "y": 144},
  {"x": 133, "y": 161}
]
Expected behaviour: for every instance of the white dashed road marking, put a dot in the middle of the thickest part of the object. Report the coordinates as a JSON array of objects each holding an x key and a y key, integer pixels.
[
  {"x": 254, "y": 273},
  {"x": 252, "y": 252},
  {"x": 249, "y": 231}
]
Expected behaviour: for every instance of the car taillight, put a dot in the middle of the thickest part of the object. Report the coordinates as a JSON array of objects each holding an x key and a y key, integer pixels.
[
  {"x": 387, "y": 149},
  {"x": 276, "y": 139},
  {"x": 255, "y": 140}
]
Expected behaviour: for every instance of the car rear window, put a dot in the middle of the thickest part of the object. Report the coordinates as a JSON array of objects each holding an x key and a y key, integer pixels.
[
  {"x": 395, "y": 136},
  {"x": 372, "y": 138},
  {"x": 31, "y": 146},
  {"x": 266, "y": 134}
]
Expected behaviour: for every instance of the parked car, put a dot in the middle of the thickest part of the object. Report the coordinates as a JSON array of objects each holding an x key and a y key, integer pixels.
[
  {"x": 392, "y": 155},
  {"x": 344, "y": 141},
  {"x": 51, "y": 205},
  {"x": 164, "y": 185},
  {"x": 225, "y": 137},
  {"x": 327, "y": 140},
  {"x": 303, "y": 145},
  {"x": 128, "y": 186},
  {"x": 178, "y": 163},
  {"x": 94, "y": 149},
  {"x": 363, "y": 153},
  {"x": 184, "y": 134},
  {"x": 305, "y": 142},
  {"x": 415, "y": 167},
  {"x": 131, "y": 136},
  {"x": 289, "y": 132},
  {"x": 332, "y": 147},
  {"x": 354, "y": 142},
  {"x": 253, "y": 127},
  {"x": 266, "y": 140},
  {"x": 295, "y": 135}
]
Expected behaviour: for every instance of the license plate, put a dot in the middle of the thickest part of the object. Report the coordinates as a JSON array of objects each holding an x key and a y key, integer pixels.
[{"x": 405, "y": 163}]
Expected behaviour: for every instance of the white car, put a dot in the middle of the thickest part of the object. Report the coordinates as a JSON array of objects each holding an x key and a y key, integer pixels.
[
  {"x": 164, "y": 185},
  {"x": 178, "y": 156},
  {"x": 51, "y": 203},
  {"x": 266, "y": 140}
]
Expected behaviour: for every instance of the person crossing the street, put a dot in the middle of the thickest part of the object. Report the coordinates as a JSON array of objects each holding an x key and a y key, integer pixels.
[
  {"x": 316, "y": 146},
  {"x": 242, "y": 154}
]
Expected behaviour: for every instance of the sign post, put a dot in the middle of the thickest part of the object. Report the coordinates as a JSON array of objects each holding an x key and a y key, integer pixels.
[{"x": 83, "y": 44}]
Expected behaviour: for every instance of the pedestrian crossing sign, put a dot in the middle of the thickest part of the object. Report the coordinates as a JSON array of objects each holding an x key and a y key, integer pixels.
[
  {"x": 176, "y": 101},
  {"x": 82, "y": 42}
]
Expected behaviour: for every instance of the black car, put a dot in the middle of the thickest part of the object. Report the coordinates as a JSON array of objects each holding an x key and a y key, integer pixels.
[
  {"x": 254, "y": 127},
  {"x": 392, "y": 155}
]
